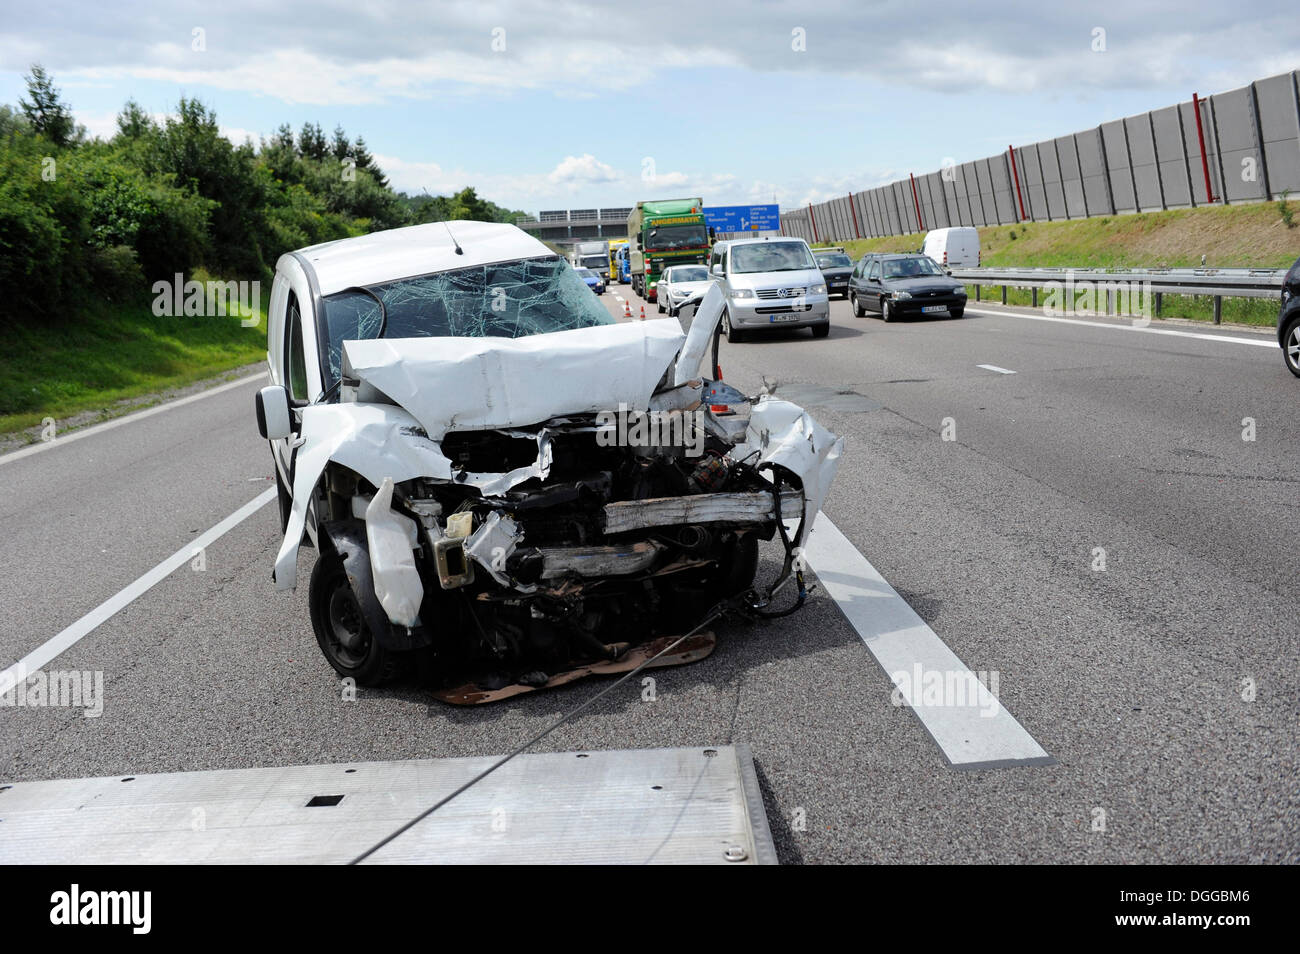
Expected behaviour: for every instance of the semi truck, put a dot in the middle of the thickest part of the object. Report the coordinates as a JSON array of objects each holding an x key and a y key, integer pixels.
[
  {"x": 593, "y": 255},
  {"x": 665, "y": 232}
]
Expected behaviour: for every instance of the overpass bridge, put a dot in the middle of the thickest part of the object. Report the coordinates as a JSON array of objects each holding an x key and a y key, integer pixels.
[{"x": 571, "y": 225}]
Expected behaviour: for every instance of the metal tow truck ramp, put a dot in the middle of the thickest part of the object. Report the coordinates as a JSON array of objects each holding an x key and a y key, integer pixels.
[{"x": 631, "y": 806}]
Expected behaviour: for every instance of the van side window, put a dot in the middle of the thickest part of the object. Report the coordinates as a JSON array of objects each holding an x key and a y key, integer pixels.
[{"x": 297, "y": 361}]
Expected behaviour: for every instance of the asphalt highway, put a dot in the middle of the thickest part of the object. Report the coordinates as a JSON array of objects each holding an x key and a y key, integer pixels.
[{"x": 1092, "y": 528}]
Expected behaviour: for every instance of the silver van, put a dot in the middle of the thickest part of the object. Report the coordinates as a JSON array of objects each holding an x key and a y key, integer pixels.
[{"x": 770, "y": 283}]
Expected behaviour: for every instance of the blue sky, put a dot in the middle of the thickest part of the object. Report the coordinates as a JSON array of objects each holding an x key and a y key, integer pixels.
[{"x": 575, "y": 104}]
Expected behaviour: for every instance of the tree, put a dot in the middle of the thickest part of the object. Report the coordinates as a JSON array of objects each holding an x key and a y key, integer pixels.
[
  {"x": 48, "y": 114},
  {"x": 341, "y": 147},
  {"x": 311, "y": 142},
  {"x": 191, "y": 147},
  {"x": 133, "y": 122},
  {"x": 466, "y": 204},
  {"x": 366, "y": 161}
]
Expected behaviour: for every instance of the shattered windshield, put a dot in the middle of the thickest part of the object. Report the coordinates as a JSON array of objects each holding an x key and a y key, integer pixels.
[{"x": 533, "y": 296}]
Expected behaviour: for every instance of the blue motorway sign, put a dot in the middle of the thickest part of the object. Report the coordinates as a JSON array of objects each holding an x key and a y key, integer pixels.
[{"x": 744, "y": 218}]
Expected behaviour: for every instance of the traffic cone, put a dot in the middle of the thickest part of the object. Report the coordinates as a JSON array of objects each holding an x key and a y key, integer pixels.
[
  {"x": 643, "y": 312},
  {"x": 627, "y": 309}
]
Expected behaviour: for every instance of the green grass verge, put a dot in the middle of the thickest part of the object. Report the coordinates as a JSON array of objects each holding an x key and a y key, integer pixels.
[{"x": 111, "y": 352}]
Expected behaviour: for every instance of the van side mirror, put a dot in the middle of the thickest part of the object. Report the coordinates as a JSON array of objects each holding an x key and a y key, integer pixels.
[{"x": 273, "y": 420}]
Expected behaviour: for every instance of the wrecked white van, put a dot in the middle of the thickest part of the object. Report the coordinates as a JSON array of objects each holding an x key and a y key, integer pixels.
[{"x": 507, "y": 488}]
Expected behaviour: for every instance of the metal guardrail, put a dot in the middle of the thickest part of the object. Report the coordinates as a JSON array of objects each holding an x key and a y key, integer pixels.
[{"x": 1218, "y": 283}]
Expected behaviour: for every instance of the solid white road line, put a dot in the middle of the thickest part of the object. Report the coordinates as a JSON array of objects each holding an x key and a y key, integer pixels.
[
  {"x": 127, "y": 419},
  {"x": 994, "y": 367},
  {"x": 977, "y": 734},
  {"x": 1262, "y": 343},
  {"x": 56, "y": 645}
]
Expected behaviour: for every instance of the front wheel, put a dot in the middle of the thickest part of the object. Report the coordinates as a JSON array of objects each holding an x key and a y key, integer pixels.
[
  {"x": 341, "y": 630},
  {"x": 957, "y": 312},
  {"x": 821, "y": 331},
  {"x": 858, "y": 310},
  {"x": 1291, "y": 346},
  {"x": 661, "y": 307},
  {"x": 886, "y": 310}
]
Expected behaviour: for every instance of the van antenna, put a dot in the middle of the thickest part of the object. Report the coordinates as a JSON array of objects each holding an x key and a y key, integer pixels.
[{"x": 459, "y": 250}]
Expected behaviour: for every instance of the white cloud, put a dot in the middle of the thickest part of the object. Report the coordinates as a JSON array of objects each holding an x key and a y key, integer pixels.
[
  {"x": 581, "y": 171},
  {"x": 341, "y": 52}
]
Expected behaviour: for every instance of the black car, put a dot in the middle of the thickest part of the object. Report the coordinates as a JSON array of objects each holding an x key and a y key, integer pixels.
[
  {"x": 1288, "y": 320},
  {"x": 897, "y": 285},
  {"x": 836, "y": 267}
]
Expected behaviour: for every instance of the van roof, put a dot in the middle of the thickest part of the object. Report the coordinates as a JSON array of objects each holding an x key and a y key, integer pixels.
[{"x": 768, "y": 238}]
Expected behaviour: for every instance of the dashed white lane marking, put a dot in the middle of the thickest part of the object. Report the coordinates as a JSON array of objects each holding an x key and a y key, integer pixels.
[
  {"x": 69, "y": 637},
  {"x": 1262, "y": 343},
  {"x": 127, "y": 419},
  {"x": 970, "y": 726},
  {"x": 994, "y": 367}
]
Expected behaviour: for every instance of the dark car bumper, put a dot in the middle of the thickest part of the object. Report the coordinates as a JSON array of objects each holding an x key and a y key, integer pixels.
[
  {"x": 928, "y": 305},
  {"x": 837, "y": 284}
]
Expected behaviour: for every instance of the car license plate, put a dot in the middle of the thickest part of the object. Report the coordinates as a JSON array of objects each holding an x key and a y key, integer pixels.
[
  {"x": 785, "y": 317},
  {"x": 929, "y": 308}
]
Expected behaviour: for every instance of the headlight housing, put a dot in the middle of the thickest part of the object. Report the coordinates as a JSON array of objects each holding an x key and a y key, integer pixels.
[
  {"x": 902, "y": 295},
  {"x": 817, "y": 289},
  {"x": 742, "y": 293},
  {"x": 960, "y": 290}
]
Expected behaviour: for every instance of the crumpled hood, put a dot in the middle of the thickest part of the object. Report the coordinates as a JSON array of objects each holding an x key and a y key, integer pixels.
[{"x": 459, "y": 384}]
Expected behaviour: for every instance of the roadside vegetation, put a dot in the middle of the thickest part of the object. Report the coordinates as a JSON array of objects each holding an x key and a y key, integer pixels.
[
  {"x": 1260, "y": 235},
  {"x": 88, "y": 225}
]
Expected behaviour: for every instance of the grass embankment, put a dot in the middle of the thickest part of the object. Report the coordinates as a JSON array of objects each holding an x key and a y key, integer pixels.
[
  {"x": 1236, "y": 236},
  {"x": 108, "y": 353}
]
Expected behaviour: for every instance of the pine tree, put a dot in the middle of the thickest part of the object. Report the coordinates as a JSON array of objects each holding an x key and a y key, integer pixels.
[
  {"x": 311, "y": 141},
  {"x": 48, "y": 115}
]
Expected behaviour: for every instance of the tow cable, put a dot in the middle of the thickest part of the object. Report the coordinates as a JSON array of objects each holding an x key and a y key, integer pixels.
[{"x": 748, "y": 603}]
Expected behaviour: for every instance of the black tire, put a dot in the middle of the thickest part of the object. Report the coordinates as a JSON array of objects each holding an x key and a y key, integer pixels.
[
  {"x": 886, "y": 310},
  {"x": 858, "y": 310},
  {"x": 734, "y": 335},
  {"x": 341, "y": 631},
  {"x": 957, "y": 312},
  {"x": 821, "y": 331},
  {"x": 1291, "y": 345},
  {"x": 661, "y": 305}
]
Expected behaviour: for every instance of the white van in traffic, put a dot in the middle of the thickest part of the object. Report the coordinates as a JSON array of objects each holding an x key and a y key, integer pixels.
[{"x": 953, "y": 247}]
